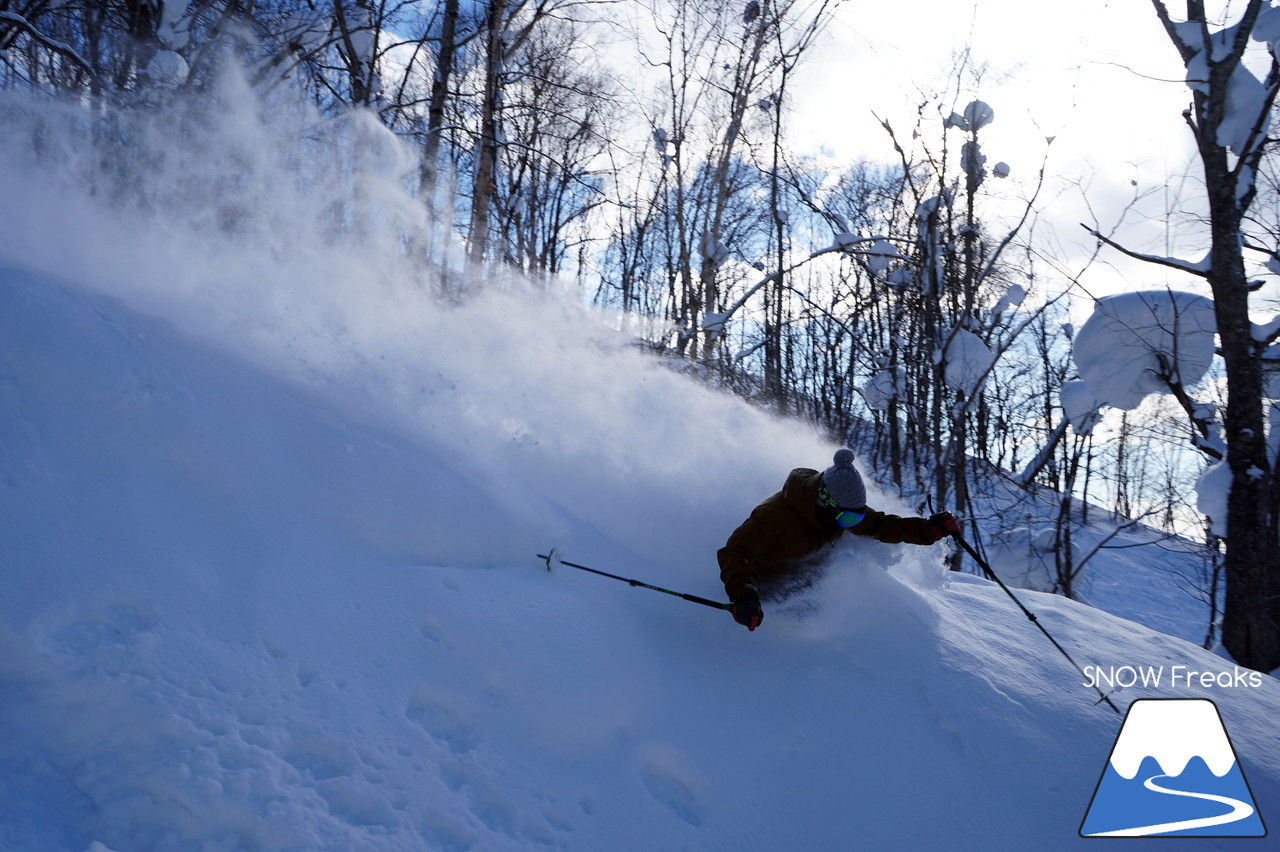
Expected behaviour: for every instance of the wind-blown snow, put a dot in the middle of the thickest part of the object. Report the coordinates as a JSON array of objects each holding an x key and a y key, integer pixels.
[{"x": 270, "y": 522}]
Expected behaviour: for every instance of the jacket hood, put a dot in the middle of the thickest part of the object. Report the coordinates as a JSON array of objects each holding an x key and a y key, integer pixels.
[{"x": 801, "y": 493}]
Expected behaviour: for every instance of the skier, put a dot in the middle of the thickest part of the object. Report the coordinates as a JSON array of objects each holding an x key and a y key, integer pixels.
[{"x": 811, "y": 512}]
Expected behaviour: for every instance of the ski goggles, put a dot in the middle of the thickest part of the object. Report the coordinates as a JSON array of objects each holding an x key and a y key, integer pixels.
[{"x": 844, "y": 518}]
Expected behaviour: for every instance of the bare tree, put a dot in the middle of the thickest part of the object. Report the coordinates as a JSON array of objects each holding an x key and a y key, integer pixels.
[
  {"x": 1228, "y": 118},
  {"x": 559, "y": 122},
  {"x": 507, "y": 24},
  {"x": 103, "y": 47}
]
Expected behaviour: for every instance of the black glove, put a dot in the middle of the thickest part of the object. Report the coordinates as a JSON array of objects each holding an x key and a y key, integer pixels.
[
  {"x": 746, "y": 610},
  {"x": 944, "y": 524}
]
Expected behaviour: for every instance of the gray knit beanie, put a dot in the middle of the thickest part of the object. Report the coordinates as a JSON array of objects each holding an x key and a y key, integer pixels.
[{"x": 843, "y": 482}]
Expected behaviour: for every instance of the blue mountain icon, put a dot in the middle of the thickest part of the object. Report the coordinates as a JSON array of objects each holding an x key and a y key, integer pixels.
[{"x": 1173, "y": 773}]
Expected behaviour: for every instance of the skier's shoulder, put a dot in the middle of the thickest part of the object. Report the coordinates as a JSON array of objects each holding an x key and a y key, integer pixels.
[
  {"x": 798, "y": 479},
  {"x": 801, "y": 486},
  {"x": 795, "y": 484}
]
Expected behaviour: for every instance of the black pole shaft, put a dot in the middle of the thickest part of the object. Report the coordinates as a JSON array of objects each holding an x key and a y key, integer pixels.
[
  {"x": 690, "y": 598},
  {"x": 982, "y": 563}
]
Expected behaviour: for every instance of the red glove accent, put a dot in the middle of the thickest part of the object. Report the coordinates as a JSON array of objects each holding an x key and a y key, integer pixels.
[
  {"x": 746, "y": 610},
  {"x": 944, "y": 524}
]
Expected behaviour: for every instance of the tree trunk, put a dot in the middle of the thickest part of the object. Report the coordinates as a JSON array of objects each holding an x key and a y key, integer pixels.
[
  {"x": 1251, "y": 612},
  {"x": 1251, "y": 565},
  {"x": 1251, "y": 616},
  {"x": 484, "y": 184},
  {"x": 436, "y": 104},
  {"x": 746, "y": 76}
]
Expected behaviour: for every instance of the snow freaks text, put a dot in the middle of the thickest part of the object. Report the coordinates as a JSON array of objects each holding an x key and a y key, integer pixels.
[{"x": 1154, "y": 677}]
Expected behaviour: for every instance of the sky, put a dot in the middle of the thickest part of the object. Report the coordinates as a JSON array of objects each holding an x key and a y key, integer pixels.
[
  {"x": 1077, "y": 71},
  {"x": 1100, "y": 77}
]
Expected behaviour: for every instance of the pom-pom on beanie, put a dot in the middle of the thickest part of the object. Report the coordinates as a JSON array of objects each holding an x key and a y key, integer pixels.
[{"x": 843, "y": 482}]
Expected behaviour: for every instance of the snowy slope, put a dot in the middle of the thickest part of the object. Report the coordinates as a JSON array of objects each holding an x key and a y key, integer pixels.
[{"x": 252, "y": 608}]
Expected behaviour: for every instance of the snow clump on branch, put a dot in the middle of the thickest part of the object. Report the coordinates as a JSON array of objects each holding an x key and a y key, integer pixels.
[{"x": 1137, "y": 344}]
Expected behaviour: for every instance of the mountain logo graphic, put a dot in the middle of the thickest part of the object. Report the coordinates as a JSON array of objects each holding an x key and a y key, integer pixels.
[{"x": 1172, "y": 773}]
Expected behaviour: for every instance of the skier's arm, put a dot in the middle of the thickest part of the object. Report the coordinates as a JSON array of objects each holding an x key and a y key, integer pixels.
[
  {"x": 740, "y": 553},
  {"x": 737, "y": 562},
  {"x": 895, "y": 529}
]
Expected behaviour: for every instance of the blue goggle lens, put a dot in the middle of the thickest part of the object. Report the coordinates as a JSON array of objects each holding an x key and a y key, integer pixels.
[{"x": 846, "y": 518}]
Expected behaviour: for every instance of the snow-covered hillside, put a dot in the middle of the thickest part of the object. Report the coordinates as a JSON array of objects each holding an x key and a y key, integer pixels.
[
  {"x": 239, "y": 615},
  {"x": 270, "y": 518}
]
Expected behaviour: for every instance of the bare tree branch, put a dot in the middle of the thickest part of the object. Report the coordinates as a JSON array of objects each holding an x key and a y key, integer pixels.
[
  {"x": 1200, "y": 269},
  {"x": 59, "y": 47}
]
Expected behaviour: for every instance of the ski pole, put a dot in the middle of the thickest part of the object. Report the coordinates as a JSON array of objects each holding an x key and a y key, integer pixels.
[
  {"x": 692, "y": 598},
  {"x": 986, "y": 569}
]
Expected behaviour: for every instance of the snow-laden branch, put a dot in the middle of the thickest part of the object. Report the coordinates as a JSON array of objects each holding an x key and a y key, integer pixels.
[
  {"x": 59, "y": 47},
  {"x": 1267, "y": 333},
  {"x": 1208, "y": 437},
  {"x": 1199, "y": 268},
  {"x": 971, "y": 392},
  {"x": 1044, "y": 456},
  {"x": 1136, "y": 344}
]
